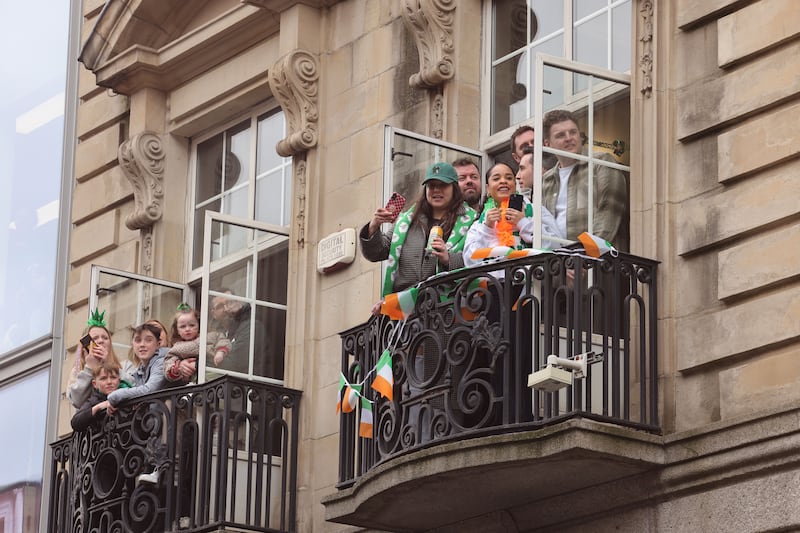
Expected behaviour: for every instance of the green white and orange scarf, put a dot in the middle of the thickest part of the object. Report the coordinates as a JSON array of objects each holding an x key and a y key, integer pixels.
[{"x": 455, "y": 243}]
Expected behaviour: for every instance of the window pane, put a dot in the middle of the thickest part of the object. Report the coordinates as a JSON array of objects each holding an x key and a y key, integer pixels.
[
  {"x": 510, "y": 27},
  {"x": 583, "y": 8},
  {"x": 591, "y": 41},
  {"x": 270, "y": 197},
  {"x": 549, "y": 17},
  {"x": 270, "y": 131},
  {"x": 248, "y": 303},
  {"x": 621, "y": 38},
  {"x": 23, "y": 437},
  {"x": 209, "y": 160},
  {"x": 31, "y": 138},
  {"x": 273, "y": 173},
  {"x": 506, "y": 92},
  {"x": 129, "y": 302}
]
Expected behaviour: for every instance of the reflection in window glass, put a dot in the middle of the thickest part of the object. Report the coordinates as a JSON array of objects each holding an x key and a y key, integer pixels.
[
  {"x": 31, "y": 133},
  {"x": 23, "y": 443},
  {"x": 247, "y": 301},
  {"x": 237, "y": 176},
  {"x": 599, "y": 34}
]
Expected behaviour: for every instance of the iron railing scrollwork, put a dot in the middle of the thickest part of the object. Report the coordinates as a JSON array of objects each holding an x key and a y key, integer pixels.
[
  {"x": 226, "y": 453},
  {"x": 461, "y": 361}
]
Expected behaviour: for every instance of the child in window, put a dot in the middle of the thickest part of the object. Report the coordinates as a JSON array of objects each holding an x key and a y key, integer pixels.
[
  {"x": 92, "y": 355},
  {"x": 181, "y": 362},
  {"x": 148, "y": 362},
  {"x": 105, "y": 380}
]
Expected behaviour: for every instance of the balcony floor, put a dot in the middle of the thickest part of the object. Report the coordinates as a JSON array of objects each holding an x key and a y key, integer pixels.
[{"x": 457, "y": 481}]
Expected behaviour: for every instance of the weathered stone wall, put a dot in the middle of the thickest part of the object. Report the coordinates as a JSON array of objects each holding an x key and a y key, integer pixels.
[{"x": 734, "y": 194}]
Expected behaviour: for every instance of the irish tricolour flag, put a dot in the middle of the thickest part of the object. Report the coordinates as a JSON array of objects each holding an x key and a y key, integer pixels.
[
  {"x": 399, "y": 305},
  {"x": 365, "y": 428},
  {"x": 595, "y": 246},
  {"x": 348, "y": 395},
  {"x": 384, "y": 378},
  {"x": 505, "y": 252}
]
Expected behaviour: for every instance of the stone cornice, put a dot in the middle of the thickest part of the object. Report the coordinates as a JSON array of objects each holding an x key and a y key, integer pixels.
[
  {"x": 135, "y": 64},
  {"x": 142, "y": 160},
  {"x": 431, "y": 24},
  {"x": 293, "y": 80}
]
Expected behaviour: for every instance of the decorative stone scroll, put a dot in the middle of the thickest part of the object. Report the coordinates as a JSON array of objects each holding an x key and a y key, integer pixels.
[
  {"x": 142, "y": 160},
  {"x": 437, "y": 116},
  {"x": 293, "y": 80},
  {"x": 431, "y": 23},
  {"x": 646, "y": 56},
  {"x": 300, "y": 167}
]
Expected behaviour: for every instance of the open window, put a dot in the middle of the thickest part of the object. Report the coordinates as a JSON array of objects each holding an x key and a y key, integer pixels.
[
  {"x": 599, "y": 100},
  {"x": 244, "y": 298},
  {"x": 407, "y": 155},
  {"x": 129, "y": 300}
]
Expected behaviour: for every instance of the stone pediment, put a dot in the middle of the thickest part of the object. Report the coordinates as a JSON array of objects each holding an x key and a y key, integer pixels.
[{"x": 160, "y": 44}]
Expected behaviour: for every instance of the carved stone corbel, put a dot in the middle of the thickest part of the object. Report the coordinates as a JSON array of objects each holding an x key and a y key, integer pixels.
[
  {"x": 431, "y": 23},
  {"x": 293, "y": 80},
  {"x": 142, "y": 160},
  {"x": 646, "y": 56}
]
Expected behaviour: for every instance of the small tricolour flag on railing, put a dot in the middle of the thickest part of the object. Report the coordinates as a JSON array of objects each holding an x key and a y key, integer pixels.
[
  {"x": 365, "y": 428},
  {"x": 505, "y": 252},
  {"x": 595, "y": 246},
  {"x": 384, "y": 377},
  {"x": 348, "y": 395},
  {"x": 400, "y": 305}
]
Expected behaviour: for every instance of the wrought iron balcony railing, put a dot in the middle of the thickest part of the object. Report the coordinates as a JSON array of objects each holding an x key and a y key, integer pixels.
[
  {"x": 226, "y": 453},
  {"x": 462, "y": 359}
]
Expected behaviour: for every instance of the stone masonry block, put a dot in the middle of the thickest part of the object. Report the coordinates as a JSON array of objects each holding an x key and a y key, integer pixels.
[
  {"x": 352, "y": 110},
  {"x": 741, "y": 34},
  {"x": 778, "y": 134},
  {"x": 100, "y": 111},
  {"x": 124, "y": 257},
  {"x": 350, "y": 206},
  {"x": 87, "y": 83},
  {"x": 93, "y": 237},
  {"x": 100, "y": 193},
  {"x": 696, "y": 53},
  {"x": 98, "y": 152},
  {"x": 366, "y": 155},
  {"x": 689, "y": 12},
  {"x": 767, "y": 260},
  {"x": 708, "y": 219},
  {"x": 742, "y": 92},
  {"x": 346, "y": 22},
  {"x": 770, "y": 382},
  {"x": 249, "y": 67},
  {"x": 374, "y": 53},
  {"x": 348, "y": 304},
  {"x": 738, "y": 329},
  {"x": 338, "y": 68}
]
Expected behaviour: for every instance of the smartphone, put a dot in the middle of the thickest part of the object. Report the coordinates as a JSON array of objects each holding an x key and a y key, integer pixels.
[
  {"x": 395, "y": 204},
  {"x": 515, "y": 202},
  {"x": 86, "y": 341}
]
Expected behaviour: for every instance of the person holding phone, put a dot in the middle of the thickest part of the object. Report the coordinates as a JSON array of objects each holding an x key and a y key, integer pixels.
[
  {"x": 94, "y": 350},
  {"x": 440, "y": 203},
  {"x": 507, "y": 218}
]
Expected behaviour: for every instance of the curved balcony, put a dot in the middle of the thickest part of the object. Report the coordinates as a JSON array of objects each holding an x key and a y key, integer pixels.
[
  {"x": 463, "y": 432},
  {"x": 226, "y": 452}
]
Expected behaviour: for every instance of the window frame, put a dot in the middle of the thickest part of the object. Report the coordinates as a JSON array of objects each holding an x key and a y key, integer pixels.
[
  {"x": 193, "y": 231},
  {"x": 494, "y": 143},
  {"x": 231, "y": 259}
]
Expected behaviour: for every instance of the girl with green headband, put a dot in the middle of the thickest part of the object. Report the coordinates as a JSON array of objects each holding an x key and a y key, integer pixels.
[{"x": 94, "y": 350}]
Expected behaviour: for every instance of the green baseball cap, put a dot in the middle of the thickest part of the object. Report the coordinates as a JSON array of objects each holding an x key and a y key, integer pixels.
[{"x": 441, "y": 171}]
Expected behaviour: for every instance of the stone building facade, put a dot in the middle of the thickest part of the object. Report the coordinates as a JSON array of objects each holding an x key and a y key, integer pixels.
[{"x": 714, "y": 143}]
